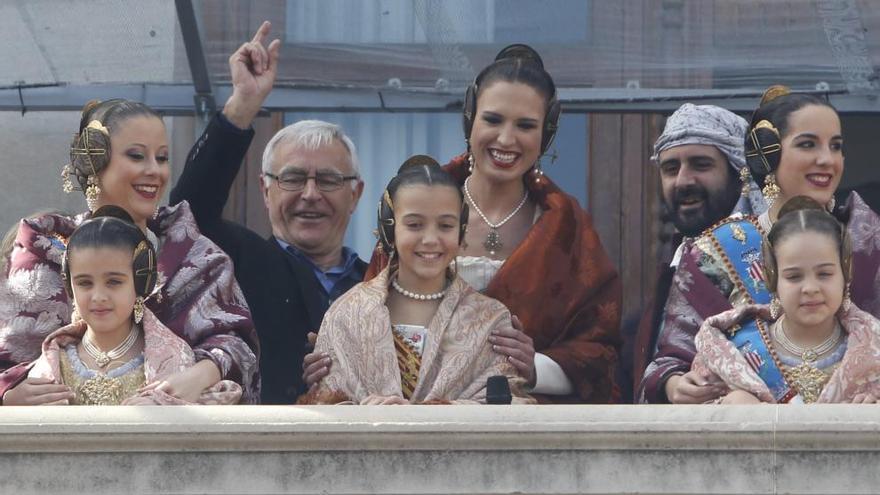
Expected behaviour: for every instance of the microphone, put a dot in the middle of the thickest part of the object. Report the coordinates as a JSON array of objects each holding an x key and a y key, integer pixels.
[{"x": 498, "y": 390}]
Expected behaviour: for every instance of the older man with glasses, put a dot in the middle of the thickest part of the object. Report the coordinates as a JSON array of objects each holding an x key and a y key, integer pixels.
[{"x": 310, "y": 185}]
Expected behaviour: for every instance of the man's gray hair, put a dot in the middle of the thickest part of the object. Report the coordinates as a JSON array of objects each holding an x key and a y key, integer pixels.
[{"x": 311, "y": 135}]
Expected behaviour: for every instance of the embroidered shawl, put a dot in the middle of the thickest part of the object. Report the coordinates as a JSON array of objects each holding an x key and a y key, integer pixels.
[
  {"x": 564, "y": 289},
  {"x": 198, "y": 297},
  {"x": 456, "y": 360},
  {"x": 702, "y": 288},
  {"x": 164, "y": 355},
  {"x": 859, "y": 370}
]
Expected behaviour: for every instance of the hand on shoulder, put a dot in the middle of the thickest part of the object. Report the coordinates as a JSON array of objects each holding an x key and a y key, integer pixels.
[{"x": 37, "y": 392}]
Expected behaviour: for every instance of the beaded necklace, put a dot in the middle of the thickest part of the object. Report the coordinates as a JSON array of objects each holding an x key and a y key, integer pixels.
[
  {"x": 102, "y": 358},
  {"x": 414, "y": 295},
  {"x": 806, "y": 353}
]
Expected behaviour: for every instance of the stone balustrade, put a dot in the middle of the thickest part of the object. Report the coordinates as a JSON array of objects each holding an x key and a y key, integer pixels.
[{"x": 441, "y": 449}]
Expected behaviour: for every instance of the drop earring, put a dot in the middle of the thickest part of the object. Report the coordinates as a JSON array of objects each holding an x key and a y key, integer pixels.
[
  {"x": 775, "y": 307},
  {"x": 66, "y": 183},
  {"x": 538, "y": 171},
  {"x": 138, "y": 309},
  {"x": 745, "y": 177},
  {"x": 93, "y": 190},
  {"x": 771, "y": 190}
]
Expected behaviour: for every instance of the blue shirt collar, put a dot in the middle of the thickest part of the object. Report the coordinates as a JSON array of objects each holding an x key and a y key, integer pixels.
[{"x": 349, "y": 258}]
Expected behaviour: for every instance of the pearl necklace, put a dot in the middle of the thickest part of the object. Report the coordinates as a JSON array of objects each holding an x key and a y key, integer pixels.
[
  {"x": 493, "y": 238},
  {"x": 808, "y": 354},
  {"x": 413, "y": 295},
  {"x": 104, "y": 358}
]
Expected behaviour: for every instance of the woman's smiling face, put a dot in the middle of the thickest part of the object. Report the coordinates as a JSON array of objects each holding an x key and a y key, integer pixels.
[
  {"x": 138, "y": 172},
  {"x": 811, "y": 163},
  {"x": 506, "y": 136}
]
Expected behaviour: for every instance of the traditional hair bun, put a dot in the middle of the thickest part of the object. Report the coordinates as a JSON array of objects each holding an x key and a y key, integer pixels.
[
  {"x": 774, "y": 92},
  {"x": 114, "y": 212},
  {"x": 521, "y": 52},
  {"x": 799, "y": 203},
  {"x": 418, "y": 161},
  {"x": 97, "y": 110}
]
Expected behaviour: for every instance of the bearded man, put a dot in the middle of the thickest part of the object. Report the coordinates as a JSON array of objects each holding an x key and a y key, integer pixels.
[{"x": 699, "y": 155}]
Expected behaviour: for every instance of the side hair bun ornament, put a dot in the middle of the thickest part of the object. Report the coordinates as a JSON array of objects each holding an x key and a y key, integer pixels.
[
  {"x": 145, "y": 268},
  {"x": 385, "y": 224},
  {"x": 774, "y": 92},
  {"x": 763, "y": 148},
  {"x": 86, "y": 147},
  {"x": 386, "y": 197}
]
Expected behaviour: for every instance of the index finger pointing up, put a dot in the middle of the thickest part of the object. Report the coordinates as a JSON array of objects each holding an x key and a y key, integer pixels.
[{"x": 262, "y": 32}]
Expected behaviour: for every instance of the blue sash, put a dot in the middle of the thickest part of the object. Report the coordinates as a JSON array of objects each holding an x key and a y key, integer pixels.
[{"x": 740, "y": 243}]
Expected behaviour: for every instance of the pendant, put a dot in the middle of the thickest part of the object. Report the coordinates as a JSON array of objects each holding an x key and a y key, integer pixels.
[
  {"x": 493, "y": 242},
  {"x": 809, "y": 356},
  {"x": 102, "y": 359}
]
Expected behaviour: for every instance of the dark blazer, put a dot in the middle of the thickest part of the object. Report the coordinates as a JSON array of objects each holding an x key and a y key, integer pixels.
[{"x": 285, "y": 298}]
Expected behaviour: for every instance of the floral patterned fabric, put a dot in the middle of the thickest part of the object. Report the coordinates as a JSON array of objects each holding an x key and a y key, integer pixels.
[
  {"x": 197, "y": 296},
  {"x": 858, "y": 373},
  {"x": 702, "y": 288},
  {"x": 164, "y": 355},
  {"x": 456, "y": 361}
]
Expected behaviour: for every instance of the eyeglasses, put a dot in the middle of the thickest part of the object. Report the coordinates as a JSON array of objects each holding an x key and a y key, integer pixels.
[{"x": 325, "y": 181}]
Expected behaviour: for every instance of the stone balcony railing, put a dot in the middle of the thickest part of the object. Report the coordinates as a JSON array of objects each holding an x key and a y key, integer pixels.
[{"x": 440, "y": 449}]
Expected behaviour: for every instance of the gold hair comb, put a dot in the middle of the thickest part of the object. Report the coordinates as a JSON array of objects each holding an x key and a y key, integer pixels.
[{"x": 774, "y": 92}]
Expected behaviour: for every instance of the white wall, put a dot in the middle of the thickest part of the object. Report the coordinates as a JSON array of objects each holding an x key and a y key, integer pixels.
[
  {"x": 34, "y": 148},
  {"x": 440, "y": 449}
]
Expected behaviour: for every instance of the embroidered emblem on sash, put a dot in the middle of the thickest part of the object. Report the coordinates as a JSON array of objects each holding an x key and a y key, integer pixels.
[
  {"x": 752, "y": 357},
  {"x": 738, "y": 233},
  {"x": 751, "y": 258}
]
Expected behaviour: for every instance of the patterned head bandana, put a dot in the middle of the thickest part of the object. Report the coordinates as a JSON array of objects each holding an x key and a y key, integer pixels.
[{"x": 715, "y": 126}]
